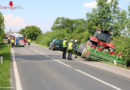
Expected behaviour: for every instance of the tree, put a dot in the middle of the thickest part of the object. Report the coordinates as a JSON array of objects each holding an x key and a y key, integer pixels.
[
  {"x": 104, "y": 16},
  {"x": 128, "y": 23},
  {"x": 69, "y": 25},
  {"x": 1, "y": 27},
  {"x": 62, "y": 23},
  {"x": 91, "y": 21},
  {"x": 22, "y": 31},
  {"x": 107, "y": 16},
  {"x": 31, "y": 32}
]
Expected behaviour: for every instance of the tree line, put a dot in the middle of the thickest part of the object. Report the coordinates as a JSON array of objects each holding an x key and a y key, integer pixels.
[{"x": 2, "y": 33}]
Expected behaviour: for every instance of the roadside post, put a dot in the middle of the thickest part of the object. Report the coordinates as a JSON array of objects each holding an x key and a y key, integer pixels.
[
  {"x": 115, "y": 62},
  {"x": 1, "y": 59}
]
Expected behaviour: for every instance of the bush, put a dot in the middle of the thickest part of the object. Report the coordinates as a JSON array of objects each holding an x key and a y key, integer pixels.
[{"x": 123, "y": 45}]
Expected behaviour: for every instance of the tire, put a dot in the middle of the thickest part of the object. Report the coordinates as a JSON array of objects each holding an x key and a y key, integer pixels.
[{"x": 52, "y": 48}]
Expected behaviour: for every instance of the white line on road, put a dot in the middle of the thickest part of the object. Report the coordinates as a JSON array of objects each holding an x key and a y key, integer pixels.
[
  {"x": 98, "y": 79},
  {"x": 52, "y": 58},
  {"x": 95, "y": 78},
  {"x": 16, "y": 74},
  {"x": 63, "y": 63}
]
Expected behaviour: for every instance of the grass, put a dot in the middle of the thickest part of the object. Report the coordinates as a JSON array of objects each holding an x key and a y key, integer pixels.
[
  {"x": 34, "y": 42},
  {"x": 5, "y": 67},
  {"x": 111, "y": 63}
]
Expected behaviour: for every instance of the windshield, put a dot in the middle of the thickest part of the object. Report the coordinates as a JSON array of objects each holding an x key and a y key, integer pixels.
[
  {"x": 53, "y": 40},
  {"x": 103, "y": 36},
  {"x": 20, "y": 38}
]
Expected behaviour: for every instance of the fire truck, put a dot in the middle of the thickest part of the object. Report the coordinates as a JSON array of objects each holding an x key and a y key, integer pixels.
[{"x": 17, "y": 38}]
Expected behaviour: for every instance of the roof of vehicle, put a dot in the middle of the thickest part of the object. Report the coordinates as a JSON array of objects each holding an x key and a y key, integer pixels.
[{"x": 17, "y": 35}]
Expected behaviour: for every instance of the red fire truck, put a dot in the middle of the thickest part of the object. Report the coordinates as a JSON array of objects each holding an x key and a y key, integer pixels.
[{"x": 18, "y": 39}]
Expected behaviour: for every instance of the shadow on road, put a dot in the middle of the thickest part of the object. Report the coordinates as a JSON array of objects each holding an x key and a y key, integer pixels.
[{"x": 36, "y": 57}]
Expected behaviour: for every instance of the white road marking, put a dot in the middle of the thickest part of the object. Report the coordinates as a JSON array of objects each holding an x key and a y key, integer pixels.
[
  {"x": 91, "y": 76},
  {"x": 16, "y": 74},
  {"x": 98, "y": 79},
  {"x": 52, "y": 58},
  {"x": 63, "y": 63}
]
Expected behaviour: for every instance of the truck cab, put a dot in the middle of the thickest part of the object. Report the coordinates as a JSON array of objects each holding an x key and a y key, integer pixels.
[{"x": 102, "y": 39}]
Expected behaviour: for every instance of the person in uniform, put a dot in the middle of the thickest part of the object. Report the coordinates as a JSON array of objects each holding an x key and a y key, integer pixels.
[
  {"x": 70, "y": 50},
  {"x": 64, "y": 48}
]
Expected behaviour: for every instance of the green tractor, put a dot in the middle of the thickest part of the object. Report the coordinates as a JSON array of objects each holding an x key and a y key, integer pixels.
[{"x": 99, "y": 47}]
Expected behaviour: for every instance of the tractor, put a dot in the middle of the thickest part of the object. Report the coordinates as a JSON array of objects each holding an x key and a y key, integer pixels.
[{"x": 100, "y": 47}]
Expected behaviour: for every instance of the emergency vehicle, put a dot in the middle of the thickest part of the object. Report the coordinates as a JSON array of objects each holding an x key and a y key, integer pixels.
[{"x": 17, "y": 38}]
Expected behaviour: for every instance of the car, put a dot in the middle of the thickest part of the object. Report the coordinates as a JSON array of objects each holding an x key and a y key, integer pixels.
[{"x": 56, "y": 44}]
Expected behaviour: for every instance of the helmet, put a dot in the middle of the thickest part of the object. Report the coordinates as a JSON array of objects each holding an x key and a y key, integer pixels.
[
  {"x": 65, "y": 38},
  {"x": 75, "y": 40}
]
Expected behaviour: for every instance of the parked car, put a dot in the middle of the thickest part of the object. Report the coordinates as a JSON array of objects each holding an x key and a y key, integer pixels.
[{"x": 56, "y": 44}]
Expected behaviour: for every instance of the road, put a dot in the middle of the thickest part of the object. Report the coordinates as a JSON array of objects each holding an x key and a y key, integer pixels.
[{"x": 43, "y": 69}]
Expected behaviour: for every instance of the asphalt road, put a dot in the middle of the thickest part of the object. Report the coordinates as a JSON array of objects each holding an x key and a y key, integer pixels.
[{"x": 43, "y": 69}]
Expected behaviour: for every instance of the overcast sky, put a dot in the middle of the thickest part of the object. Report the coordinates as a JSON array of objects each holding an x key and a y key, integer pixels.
[{"x": 43, "y": 13}]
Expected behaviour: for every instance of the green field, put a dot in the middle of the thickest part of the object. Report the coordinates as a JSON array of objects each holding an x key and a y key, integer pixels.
[{"x": 5, "y": 67}]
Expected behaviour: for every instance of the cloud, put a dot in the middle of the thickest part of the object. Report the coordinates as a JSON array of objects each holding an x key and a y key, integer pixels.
[
  {"x": 8, "y": 17},
  {"x": 109, "y": 1},
  {"x": 92, "y": 4},
  {"x": 13, "y": 22},
  {"x": 17, "y": 22}
]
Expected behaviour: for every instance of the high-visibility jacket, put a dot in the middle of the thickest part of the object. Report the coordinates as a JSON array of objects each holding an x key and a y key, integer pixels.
[
  {"x": 29, "y": 41},
  {"x": 70, "y": 46},
  {"x": 64, "y": 43},
  {"x": 12, "y": 41}
]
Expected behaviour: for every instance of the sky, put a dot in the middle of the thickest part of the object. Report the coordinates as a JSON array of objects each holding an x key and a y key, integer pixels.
[{"x": 43, "y": 13}]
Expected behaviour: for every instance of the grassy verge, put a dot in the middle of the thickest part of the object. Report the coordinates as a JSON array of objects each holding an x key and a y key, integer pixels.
[
  {"x": 5, "y": 67},
  {"x": 111, "y": 63},
  {"x": 34, "y": 42}
]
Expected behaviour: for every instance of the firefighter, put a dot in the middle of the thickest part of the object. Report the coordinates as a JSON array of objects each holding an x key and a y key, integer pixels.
[
  {"x": 64, "y": 48},
  {"x": 12, "y": 42},
  {"x": 70, "y": 50},
  {"x": 75, "y": 48},
  {"x": 29, "y": 42}
]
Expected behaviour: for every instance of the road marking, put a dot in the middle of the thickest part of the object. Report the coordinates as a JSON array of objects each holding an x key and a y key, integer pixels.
[
  {"x": 63, "y": 63},
  {"x": 98, "y": 79},
  {"x": 95, "y": 78},
  {"x": 16, "y": 74},
  {"x": 52, "y": 58}
]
